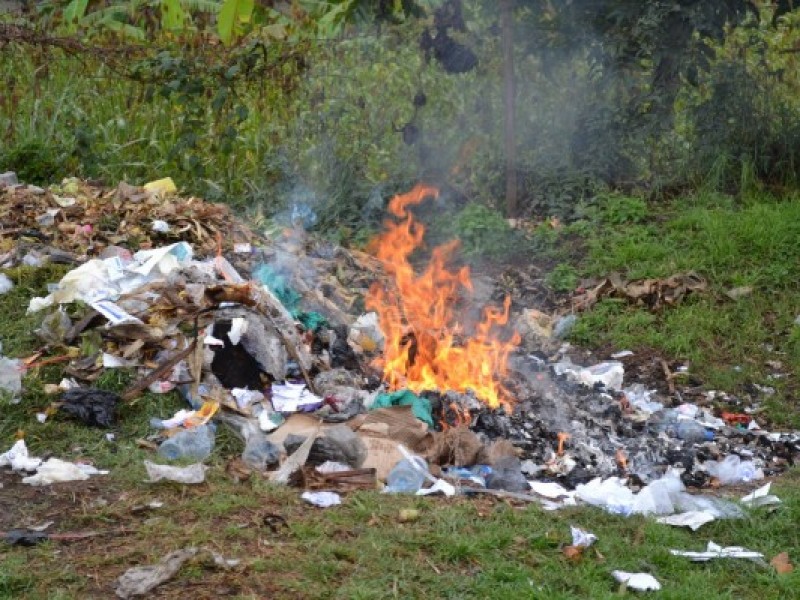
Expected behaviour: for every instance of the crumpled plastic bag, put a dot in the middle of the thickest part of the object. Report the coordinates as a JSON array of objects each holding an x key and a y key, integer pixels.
[
  {"x": 642, "y": 582},
  {"x": 194, "y": 473},
  {"x": 56, "y": 470},
  {"x": 10, "y": 376},
  {"x": 139, "y": 581},
  {"x": 6, "y": 285},
  {"x": 18, "y": 459}
]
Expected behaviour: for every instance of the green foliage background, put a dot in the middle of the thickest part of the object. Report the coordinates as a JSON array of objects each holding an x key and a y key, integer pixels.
[{"x": 266, "y": 108}]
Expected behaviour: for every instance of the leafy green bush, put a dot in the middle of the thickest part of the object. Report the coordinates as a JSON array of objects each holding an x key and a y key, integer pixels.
[
  {"x": 563, "y": 278},
  {"x": 484, "y": 232},
  {"x": 617, "y": 210},
  {"x": 36, "y": 162}
]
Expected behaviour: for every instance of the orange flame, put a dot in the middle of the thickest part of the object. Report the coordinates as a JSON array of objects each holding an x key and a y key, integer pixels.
[
  {"x": 460, "y": 417},
  {"x": 418, "y": 318}
]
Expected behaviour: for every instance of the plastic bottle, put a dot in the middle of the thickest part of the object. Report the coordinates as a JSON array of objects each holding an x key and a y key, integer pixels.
[
  {"x": 260, "y": 452},
  {"x": 734, "y": 470},
  {"x": 407, "y": 476},
  {"x": 193, "y": 444},
  {"x": 693, "y": 432}
]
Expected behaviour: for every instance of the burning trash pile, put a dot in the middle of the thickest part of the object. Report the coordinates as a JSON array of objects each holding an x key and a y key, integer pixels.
[{"x": 340, "y": 369}]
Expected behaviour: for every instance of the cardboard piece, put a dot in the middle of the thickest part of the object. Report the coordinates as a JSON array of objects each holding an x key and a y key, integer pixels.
[{"x": 383, "y": 430}]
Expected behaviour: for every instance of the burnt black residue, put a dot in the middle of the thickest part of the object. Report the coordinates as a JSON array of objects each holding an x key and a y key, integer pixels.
[{"x": 232, "y": 365}]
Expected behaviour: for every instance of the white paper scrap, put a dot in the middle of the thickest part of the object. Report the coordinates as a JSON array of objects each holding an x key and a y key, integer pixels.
[
  {"x": 716, "y": 551},
  {"x": 291, "y": 397},
  {"x": 642, "y": 582},
  {"x": 693, "y": 519},
  {"x": 114, "y": 314}
]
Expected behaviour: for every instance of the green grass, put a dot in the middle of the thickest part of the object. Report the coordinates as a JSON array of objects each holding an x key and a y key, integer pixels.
[
  {"x": 456, "y": 549},
  {"x": 727, "y": 343}
]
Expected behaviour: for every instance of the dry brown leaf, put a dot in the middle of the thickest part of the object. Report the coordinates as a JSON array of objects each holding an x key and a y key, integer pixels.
[
  {"x": 781, "y": 564},
  {"x": 573, "y": 553}
]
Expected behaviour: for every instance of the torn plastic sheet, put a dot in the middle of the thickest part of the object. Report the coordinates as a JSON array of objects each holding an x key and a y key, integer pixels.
[
  {"x": 322, "y": 499},
  {"x": 294, "y": 397},
  {"x": 641, "y": 582},
  {"x": 714, "y": 551},
  {"x": 693, "y": 519},
  {"x": 167, "y": 259},
  {"x": 194, "y": 473},
  {"x": 609, "y": 373},
  {"x": 18, "y": 458},
  {"x": 663, "y": 496},
  {"x": 554, "y": 496},
  {"x": 140, "y": 581}
]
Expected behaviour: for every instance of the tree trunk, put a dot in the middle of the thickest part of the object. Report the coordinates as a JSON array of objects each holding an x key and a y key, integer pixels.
[{"x": 509, "y": 91}]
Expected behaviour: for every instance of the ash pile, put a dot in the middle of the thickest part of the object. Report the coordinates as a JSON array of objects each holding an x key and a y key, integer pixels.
[{"x": 342, "y": 370}]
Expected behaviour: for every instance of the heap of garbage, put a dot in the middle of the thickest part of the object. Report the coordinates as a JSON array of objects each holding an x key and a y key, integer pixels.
[{"x": 269, "y": 336}]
